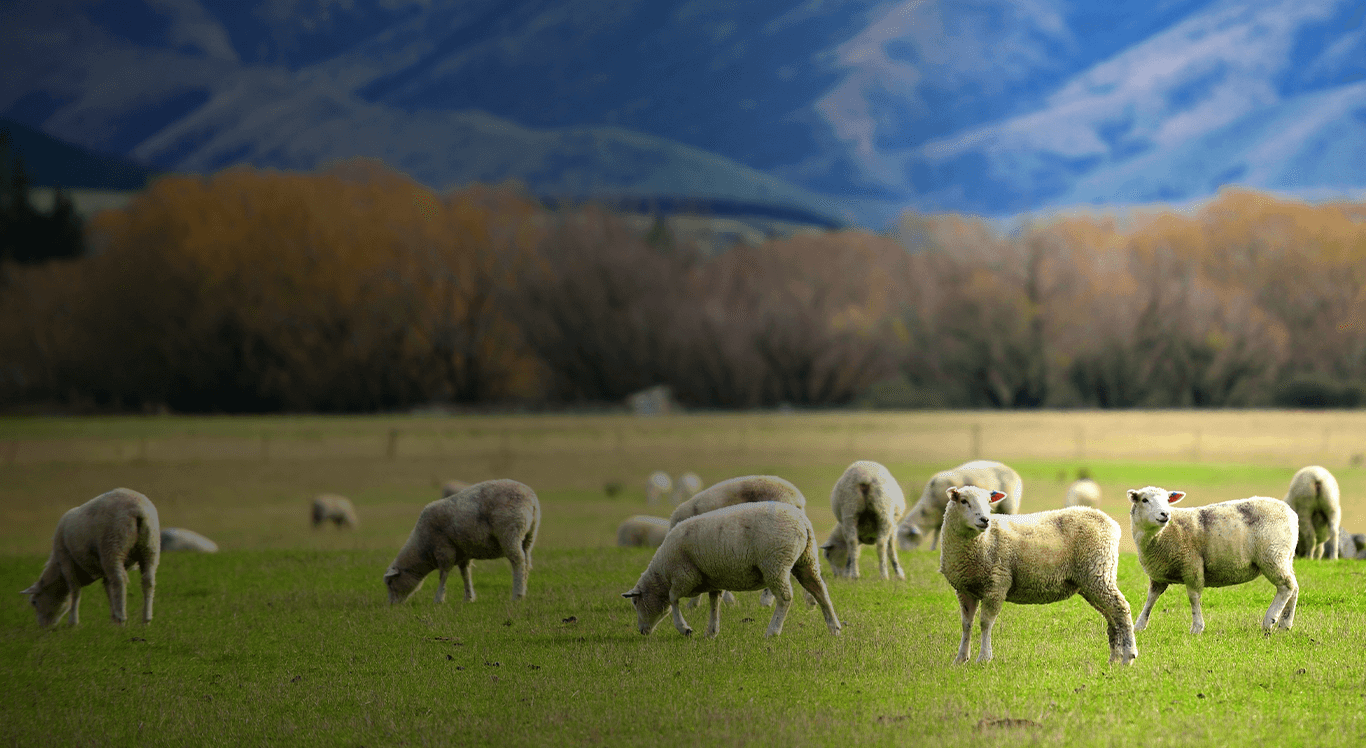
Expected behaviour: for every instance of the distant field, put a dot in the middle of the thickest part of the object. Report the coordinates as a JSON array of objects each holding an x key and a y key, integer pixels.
[{"x": 285, "y": 636}]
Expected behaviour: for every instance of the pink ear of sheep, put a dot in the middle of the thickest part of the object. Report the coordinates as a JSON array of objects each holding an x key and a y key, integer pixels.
[
  {"x": 996, "y": 496},
  {"x": 1176, "y": 496}
]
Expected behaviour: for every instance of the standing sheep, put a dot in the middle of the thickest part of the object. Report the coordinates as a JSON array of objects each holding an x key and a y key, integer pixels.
[
  {"x": 744, "y": 547},
  {"x": 1314, "y": 496},
  {"x": 1352, "y": 545},
  {"x": 100, "y": 539},
  {"x": 657, "y": 485},
  {"x": 335, "y": 509},
  {"x": 686, "y": 487},
  {"x": 487, "y": 520},
  {"x": 642, "y": 530},
  {"x": 867, "y": 502},
  {"x": 181, "y": 539},
  {"x": 925, "y": 516},
  {"x": 1217, "y": 545},
  {"x": 1037, "y": 558},
  {"x": 1083, "y": 492}
]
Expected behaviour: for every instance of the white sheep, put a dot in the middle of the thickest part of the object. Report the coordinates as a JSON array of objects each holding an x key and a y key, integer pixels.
[
  {"x": 924, "y": 518},
  {"x": 333, "y": 508},
  {"x": 487, "y": 520},
  {"x": 867, "y": 502},
  {"x": 748, "y": 546},
  {"x": 181, "y": 539},
  {"x": 1217, "y": 545},
  {"x": 1037, "y": 558},
  {"x": 453, "y": 487},
  {"x": 1083, "y": 492},
  {"x": 686, "y": 487},
  {"x": 100, "y": 539},
  {"x": 1352, "y": 545},
  {"x": 642, "y": 530},
  {"x": 1314, "y": 496},
  {"x": 657, "y": 485}
]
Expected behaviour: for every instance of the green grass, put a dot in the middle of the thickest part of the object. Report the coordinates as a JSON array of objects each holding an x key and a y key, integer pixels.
[{"x": 269, "y": 647}]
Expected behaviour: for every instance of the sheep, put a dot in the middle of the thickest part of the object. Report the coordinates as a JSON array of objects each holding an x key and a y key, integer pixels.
[
  {"x": 335, "y": 509},
  {"x": 1217, "y": 545},
  {"x": 100, "y": 539},
  {"x": 1083, "y": 492},
  {"x": 487, "y": 520},
  {"x": 181, "y": 539},
  {"x": 867, "y": 502},
  {"x": 688, "y": 485},
  {"x": 1037, "y": 558},
  {"x": 1352, "y": 545},
  {"x": 1314, "y": 496},
  {"x": 453, "y": 487},
  {"x": 748, "y": 546},
  {"x": 657, "y": 485},
  {"x": 642, "y": 530},
  {"x": 925, "y": 516}
]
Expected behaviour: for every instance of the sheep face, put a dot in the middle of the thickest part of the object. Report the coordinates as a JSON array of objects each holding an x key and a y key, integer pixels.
[
  {"x": 910, "y": 536},
  {"x": 836, "y": 552},
  {"x": 50, "y": 601},
  {"x": 973, "y": 505},
  {"x": 650, "y": 609},
  {"x": 1150, "y": 506},
  {"x": 401, "y": 583}
]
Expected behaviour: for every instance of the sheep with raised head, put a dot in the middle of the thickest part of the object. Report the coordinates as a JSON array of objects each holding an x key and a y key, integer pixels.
[
  {"x": 1083, "y": 492},
  {"x": 453, "y": 487},
  {"x": 493, "y": 519},
  {"x": 1037, "y": 558},
  {"x": 924, "y": 518},
  {"x": 100, "y": 539},
  {"x": 1314, "y": 496},
  {"x": 867, "y": 502},
  {"x": 332, "y": 508},
  {"x": 686, "y": 487},
  {"x": 747, "y": 546},
  {"x": 181, "y": 539},
  {"x": 658, "y": 484},
  {"x": 642, "y": 530},
  {"x": 1217, "y": 545}
]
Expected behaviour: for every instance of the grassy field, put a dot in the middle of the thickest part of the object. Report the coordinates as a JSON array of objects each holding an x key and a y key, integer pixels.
[{"x": 285, "y": 636}]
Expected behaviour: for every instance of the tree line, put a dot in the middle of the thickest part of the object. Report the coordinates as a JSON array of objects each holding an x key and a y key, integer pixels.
[{"x": 357, "y": 289}]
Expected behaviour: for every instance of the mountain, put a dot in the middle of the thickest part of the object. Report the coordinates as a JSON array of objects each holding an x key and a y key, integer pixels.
[{"x": 850, "y": 108}]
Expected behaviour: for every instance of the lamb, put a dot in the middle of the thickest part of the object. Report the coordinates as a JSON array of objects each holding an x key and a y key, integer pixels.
[
  {"x": 453, "y": 487},
  {"x": 1352, "y": 545},
  {"x": 657, "y": 485},
  {"x": 688, "y": 485},
  {"x": 1314, "y": 496},
  {"x": 748, "y": 546},
  {"x": 642, "y": 530},
  {"x": 181, "y": 539},
  {"x": 1083, "y": 492},
  {"x": 1037, "y": 558},
  {"x": 335, "y": 509},
  {"x": 487, "y": 520},
  {"x": 926, "y": 515},
  {"x": 100, "y": 539},
  {"x": 867, "y": 502},
  {"x": 1217, "y": 545}
]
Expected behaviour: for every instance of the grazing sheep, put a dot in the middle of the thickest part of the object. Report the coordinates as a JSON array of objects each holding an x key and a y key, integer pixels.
[
  {"x": 686, "y": 487},
  {"x": 181, "y": 539},
  {"x": 100, "y": 539},
  {"x": 1083, "y": 492},
  {"x": 642, "y": 530},
  {"x": 487, "y": 520},
  {"x": 1037, "y": 558},
  {"x": 743, "y": 547},
  {"x": 1314, "y": 496},
  {"x": 657, "y": 485},
  {"x": 1352, "y": 545},
  {"x": 867, "y": 502},
  {"x": 1217, "y": 545},
  {"x": 925, "y": 516},
  {"x": 335, "y": 509},
  {"x": 453, "y": 487}
]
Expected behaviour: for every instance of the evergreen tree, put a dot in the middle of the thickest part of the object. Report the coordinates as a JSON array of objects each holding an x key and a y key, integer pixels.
[{"x": 26, "y": 235}]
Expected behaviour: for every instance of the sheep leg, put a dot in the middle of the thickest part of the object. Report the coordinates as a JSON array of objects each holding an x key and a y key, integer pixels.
[
  {"x": 464, "y": 566},
  {"x": 968, "y": 605},
  {"x": 116, "y": 587},
  {"x": 728, "y": 597},
  {"x": 783, "y": 598},
  {"x": 519, "y": 562},
  {"x": 714, "y": 614},
  {"x": 810, "y": 579},
  {"x": 441, "y": 585},
  {"x": 988, "y": 614},
  {"x": 1155, "y": 590},
  {"x": 681, "y": 625},
  {"x": 766, "y": 597},
  {"x": 1284, "y": 607},
  {"x": 148, "y": 572},
  {"x": 1195, "y": 597},
  {"x": 1307, "y": 547},
  {"x": 891, "y": 552},
  {"x": 1116, "y": 612},
  {"x": 1332, "y": 545},
  {"x": 75, "y": 597},
  {"x": 852, "y": 539}
]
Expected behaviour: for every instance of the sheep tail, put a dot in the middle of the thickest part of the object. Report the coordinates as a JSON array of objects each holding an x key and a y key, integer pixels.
[{"x": 1317, "y": 481}]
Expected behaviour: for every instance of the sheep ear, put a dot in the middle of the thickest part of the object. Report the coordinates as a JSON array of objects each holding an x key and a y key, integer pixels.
[
  {"x": 391, "y": 573},
  {"x": 32, "y": 590},
  {"x": 1176, "y": 496},
  {"x": 632, "y": 594},
  {"x": 1133, "y": 495},
  {"x": 952, "y": 492},
  {"x": 996, "y": 496}
]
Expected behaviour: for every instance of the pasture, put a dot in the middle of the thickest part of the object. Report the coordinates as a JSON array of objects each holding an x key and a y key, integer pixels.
[{"x": 285, "y": 635}]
